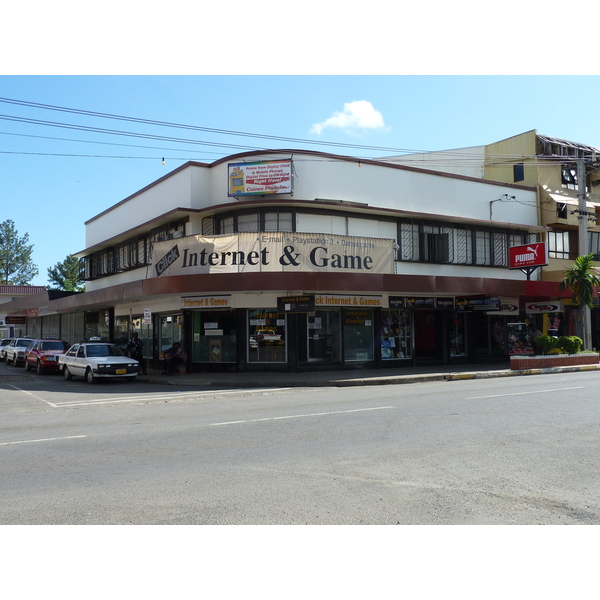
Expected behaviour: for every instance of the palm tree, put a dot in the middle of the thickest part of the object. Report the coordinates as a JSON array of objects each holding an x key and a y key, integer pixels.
[{"x": 580, "y": 280}]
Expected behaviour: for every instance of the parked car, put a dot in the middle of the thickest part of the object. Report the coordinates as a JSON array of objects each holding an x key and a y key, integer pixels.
[
  {"x": 15, "y": 350},
  {"x": 3, "y": 344},
  {"x": 41, "y": 355},
  {"x": 94, "y": 360}
]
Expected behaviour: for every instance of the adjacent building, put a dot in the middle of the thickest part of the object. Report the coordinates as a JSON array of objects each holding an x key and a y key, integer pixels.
[
  {"x": 294, "y": 259},
  {"x": 560, "y": 171},
  {"x": 8, "y": 293}
]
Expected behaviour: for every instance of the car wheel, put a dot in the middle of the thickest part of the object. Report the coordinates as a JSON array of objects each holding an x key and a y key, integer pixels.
[
  {"x": 27, "y": 365},
  {"x": 67, "y": 374},
  {"x": 15, "y": 362},
  {"x": 89, "y": 376},
  {"x": 39, "y": 370}
]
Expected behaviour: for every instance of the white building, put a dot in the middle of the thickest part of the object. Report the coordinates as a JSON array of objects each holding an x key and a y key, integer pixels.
[{"x": 293, "y": 259}]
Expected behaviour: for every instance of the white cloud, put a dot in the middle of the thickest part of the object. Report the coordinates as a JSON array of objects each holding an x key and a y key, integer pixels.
[{"x": 359, "y": 114}]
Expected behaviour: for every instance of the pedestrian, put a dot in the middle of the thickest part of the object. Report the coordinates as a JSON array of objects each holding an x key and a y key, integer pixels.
[
  {"x": 176, "y": 355},
  {"x": 134, "y": 349}
]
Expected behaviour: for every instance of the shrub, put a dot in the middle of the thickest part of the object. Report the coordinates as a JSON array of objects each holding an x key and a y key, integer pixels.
[
  {"x": 571, "y": 344},
  {"x": 546, "y": 343}
]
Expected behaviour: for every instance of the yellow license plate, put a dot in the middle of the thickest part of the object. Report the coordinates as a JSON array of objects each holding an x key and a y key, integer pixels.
[{"x": 121, "y": 371}]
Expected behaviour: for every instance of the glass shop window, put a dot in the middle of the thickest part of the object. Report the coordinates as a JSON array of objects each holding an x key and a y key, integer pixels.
[
  {"x": 358, "y": 335},
  {"x": 396, "y": 335},
  {"x": 266, "y": 335}
]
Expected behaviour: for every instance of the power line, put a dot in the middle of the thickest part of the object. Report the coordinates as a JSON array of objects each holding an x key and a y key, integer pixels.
[
  {"x": 46, "y": 137},
  {"x": 198, "y": 128},
  {"x": 122, "y": 133},
  {"x": 454, "y": 158}
]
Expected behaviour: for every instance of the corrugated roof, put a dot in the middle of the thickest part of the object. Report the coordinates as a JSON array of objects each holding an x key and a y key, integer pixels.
[{"x": 26, "y": 290}]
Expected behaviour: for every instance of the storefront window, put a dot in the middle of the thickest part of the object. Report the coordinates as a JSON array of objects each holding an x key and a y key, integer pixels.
[
  {"x": 97, "y": 324},
  {"x": 396, "y": 335},
  {"x": 358, "y": 335},
  {"x": 121, "y": 331},
  {"x": 457, "y": 334},
  {"x": 520, "y": 338},
  {"x": 214, "y": 336},
  {"x": 266, "y": 335},
  {"x": 498, "y": 336},
  {"x": 171, "y": 331},
  {"x": 323, "y": 336}
]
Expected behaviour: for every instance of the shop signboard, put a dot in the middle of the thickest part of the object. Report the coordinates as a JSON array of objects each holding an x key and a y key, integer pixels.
[
  {"x": 296, "y": 304},
  {"x": 323, "y": 300},
  {"x": 206, "y": 302},
  {"x": 477, "y": 304},
  {"x": 421, "y": 302},
  {"x": 415, "y": 302},
  {"x": 528, "y": 256},
  {"x": 396, "y": 301},
  {"x": 447, "y": 303},
  {"x": 11, "y": 320},
  {"x": 508, "y": 306},
  {"x": 273, "y": 252},
  {"x": 260, "y": 178},
  {"x": 544, "y": 307}
]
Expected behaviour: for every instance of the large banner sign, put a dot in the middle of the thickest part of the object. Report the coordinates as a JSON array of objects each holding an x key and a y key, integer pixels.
[
  {"x": 268, "y": 177},
  {"x": 272, "y": 252}
]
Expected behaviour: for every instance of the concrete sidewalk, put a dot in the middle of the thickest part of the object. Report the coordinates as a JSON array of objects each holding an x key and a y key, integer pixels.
[{"x": 351, "y": 377}]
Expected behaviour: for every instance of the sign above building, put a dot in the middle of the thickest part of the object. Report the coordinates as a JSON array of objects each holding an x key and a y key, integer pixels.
[
  {"x": 527, "y": 256},
  {"x": 273, "y": 252},
  {"x": 260, "y": 178}
]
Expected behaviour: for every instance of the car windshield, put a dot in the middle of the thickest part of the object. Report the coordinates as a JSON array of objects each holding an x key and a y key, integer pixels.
[
  {"x": 5, "y": 343},
  {"x": 104, "y": 350},
  {"x": 23, "y": 342},
  {"x": 53, "y": 346}
]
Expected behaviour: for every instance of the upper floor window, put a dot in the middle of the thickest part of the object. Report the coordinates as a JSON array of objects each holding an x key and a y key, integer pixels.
[
  {"x": 259, "y": 220},
  {"x": 423, "y": 241},
  {"x": 569, "y": 177},
  {"x": 559, "y": 244},
  {"x": 518, "y": 172},
  {"x": 130, "y": 254}
]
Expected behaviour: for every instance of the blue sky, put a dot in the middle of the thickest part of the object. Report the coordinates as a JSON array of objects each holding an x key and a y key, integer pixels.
[{"x": 55, "y": 178}]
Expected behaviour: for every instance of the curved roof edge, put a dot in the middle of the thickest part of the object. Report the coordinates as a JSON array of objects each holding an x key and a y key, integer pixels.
[{"x": 316, "y": 153}]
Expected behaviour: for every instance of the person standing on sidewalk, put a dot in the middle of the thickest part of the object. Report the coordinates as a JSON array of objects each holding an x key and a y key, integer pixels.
[{"x": 134, "y": 349}]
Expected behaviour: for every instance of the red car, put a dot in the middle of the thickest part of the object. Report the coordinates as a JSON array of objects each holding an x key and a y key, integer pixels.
[{"x": 41, "y": 354}]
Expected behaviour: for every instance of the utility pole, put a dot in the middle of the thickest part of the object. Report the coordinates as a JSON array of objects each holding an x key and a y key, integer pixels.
[
  {"x": 583, "y": 214},
  {"x": 583, "y": 247}
]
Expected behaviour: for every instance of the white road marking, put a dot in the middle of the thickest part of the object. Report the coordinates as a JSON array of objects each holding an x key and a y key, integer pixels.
[
  {"x": 321, "y": 414},
  {"x": 33, "y": 395},
  {"x": 70, "y": 437},
  {"x": 523, "y": 393},
  {"x": 175, "y": 395}
]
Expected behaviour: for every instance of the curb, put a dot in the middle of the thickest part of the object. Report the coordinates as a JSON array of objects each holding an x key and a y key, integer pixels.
[{"x": 393, "y": 380}]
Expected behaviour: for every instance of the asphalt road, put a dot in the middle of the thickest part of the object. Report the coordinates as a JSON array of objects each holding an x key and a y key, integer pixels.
[{"x": 519, "y": 450}]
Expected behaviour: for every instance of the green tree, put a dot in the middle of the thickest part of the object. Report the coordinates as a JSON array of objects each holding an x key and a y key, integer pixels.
[
  {"x": 66, "y": 275},
  {"x": 580, "y": 280},
  {"x": 16, "y": 267}
]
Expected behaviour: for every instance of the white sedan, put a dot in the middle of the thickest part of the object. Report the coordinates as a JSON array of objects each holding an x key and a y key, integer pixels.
[{"x": 93, "y": 360}]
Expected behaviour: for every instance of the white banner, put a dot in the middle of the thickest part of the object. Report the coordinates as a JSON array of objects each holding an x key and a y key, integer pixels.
[{"x": 272, "y": 252}]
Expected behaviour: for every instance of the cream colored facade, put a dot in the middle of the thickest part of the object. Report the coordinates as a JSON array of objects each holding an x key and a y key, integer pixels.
[{"x": 543, "y": 160}]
